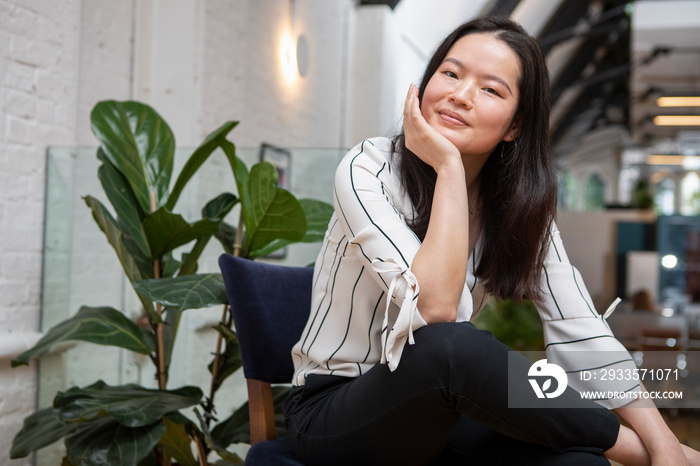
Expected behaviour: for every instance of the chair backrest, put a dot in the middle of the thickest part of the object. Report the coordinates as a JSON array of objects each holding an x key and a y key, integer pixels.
[{"x": 270, "y": 305}]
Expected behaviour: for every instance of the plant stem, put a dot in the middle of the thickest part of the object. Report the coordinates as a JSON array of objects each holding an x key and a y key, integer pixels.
[
  {"x": 201, "y": 454},
  {"x": 209, "y": 407},
  {"x": 239, "y": 236},
  {"x": 162, "y": 371}
]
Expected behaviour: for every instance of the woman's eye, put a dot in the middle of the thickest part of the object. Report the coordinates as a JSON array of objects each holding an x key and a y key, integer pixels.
[
  {"x": 450, "y": 74},
  {"x": 491, "y": 90}
]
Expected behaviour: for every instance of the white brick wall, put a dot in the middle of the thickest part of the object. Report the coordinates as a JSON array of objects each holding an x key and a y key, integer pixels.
[
  {"x": 106, "y": 37},
  {"x": 38, "y": 90}
]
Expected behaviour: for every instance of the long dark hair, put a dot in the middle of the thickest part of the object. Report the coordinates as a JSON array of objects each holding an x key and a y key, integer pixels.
[{"x": 517, "y": 188}]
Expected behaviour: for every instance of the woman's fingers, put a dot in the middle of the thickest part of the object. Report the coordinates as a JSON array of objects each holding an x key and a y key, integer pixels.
[
  {"x": 421, "y": 138},
  {"x": 417, "y": 131},
  {"x": 412, "y": 114},
  {"x": 408, "y": 102}
]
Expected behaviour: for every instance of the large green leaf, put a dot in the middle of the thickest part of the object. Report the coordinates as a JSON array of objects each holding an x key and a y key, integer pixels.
[
  {"x": 101, "y": 325},
  {"x": 122, "y": 198},
  {"x": 198, "y": 157},
  {"x": 39, "y": 430},
  {"x": 216, "y": 209},
  {"x": 226, "y": 236},
  {"x": 172, "y": 323},
  {"x": 236, "y": 429},
  {"x": 177, "y": 443},
  {"x": 105, "y": 442},
  {"x": 166, "y": 231},
  {"x": 190, "y": 259},
  {"x": 136, "y": 267},
  {"x": 274, "y": 212},
  {"x": 144, "y": 263},
  {"x": 139, "y": 143},
  {"x": 169, "y": 265},
  {"x": 186, "y": 292},
  {"x": 240, "y": 174},
  {"x": 318, "y": 214},
  {"x": 229, "y": 360},
  {"x": 131, "y": 405}
]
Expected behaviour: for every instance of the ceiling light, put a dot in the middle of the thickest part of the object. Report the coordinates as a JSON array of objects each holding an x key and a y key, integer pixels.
[
  {"x": 678, "y": 101},
  {"x": 677, "y": 120},
  {"x": 689, "y": 162},
  {"x": 665, "y": 159},
  {"x": 669, "y": 261}
]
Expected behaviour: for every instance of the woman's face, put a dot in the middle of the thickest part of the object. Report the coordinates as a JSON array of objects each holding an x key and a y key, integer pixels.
[{"x": 472, "y": 97}]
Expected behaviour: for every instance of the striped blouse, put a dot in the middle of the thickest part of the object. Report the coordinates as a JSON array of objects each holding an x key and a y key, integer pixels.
[{"x": 366, "y": 256}]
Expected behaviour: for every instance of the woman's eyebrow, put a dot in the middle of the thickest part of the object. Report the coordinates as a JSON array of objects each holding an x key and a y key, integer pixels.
[{"x": 460, "y": 65}]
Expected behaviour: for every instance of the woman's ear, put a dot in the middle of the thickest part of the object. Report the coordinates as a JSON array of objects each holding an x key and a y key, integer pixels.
[{"x": 513, "y": 132}]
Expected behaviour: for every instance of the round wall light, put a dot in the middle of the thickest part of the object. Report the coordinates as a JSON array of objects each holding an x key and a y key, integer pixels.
[{"x": 302, "y": 55}]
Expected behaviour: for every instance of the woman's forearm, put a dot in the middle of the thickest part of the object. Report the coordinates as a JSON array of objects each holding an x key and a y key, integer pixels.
[
  {"x": 628, "y": 449},
  {"x": 440, "y": 265}
]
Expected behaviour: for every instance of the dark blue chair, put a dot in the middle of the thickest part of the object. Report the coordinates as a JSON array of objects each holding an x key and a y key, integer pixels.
[{"x": 270, "y": 306}]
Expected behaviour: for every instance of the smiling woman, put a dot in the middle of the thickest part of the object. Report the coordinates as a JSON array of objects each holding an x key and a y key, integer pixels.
[{"x": 456, "y": 208}]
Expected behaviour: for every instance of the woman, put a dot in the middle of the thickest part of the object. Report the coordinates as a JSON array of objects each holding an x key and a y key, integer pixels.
[{"x": 460, "y": 206}]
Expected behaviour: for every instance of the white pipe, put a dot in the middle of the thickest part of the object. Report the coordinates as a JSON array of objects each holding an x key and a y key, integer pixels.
[{"x": 14, "y": 344}]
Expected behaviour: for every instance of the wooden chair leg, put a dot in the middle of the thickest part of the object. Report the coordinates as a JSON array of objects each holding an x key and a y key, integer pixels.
[{"x": 261, "y": 410}]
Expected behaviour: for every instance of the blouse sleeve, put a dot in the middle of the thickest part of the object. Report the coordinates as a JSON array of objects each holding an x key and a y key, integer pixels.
[
  {"x": 380, "y": 239},
  {"x": 577, "y": 337}
]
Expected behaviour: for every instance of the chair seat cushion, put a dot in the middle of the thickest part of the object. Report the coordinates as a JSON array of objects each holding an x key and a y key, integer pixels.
[{"x": 278, "y": 452}]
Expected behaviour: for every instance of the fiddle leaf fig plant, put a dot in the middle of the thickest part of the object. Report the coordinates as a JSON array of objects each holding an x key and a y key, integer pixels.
[{"x": 131, "y": 424}]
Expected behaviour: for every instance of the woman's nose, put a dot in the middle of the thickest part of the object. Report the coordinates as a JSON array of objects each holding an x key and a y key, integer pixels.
[{"x": 463, "y": 95}]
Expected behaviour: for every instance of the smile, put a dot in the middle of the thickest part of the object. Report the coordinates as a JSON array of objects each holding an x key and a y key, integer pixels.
[{"x": 452, "y": 118}]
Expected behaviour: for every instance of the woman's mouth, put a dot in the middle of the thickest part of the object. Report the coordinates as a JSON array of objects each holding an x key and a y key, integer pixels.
[{"x": 452, "y": 118}]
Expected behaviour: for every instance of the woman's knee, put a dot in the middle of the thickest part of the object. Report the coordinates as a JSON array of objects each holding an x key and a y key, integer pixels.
[{"x": 458, "y": 344}]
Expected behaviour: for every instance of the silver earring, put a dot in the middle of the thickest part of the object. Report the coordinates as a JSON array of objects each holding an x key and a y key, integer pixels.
[{"x": 514, "y": 153}]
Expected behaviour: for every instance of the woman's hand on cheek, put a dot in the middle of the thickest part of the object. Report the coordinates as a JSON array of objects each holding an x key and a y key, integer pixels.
[{"x": 422, "y": 139}]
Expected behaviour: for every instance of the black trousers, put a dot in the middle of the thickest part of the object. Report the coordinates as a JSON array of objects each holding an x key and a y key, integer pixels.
[{"x": 446, "y": 403}]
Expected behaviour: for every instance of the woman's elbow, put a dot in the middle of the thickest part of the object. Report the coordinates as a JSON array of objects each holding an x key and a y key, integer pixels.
[{"x": 434, "y": 314}]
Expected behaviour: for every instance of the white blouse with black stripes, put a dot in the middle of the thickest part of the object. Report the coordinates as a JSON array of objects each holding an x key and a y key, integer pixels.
[{"x": 367, "y": 255}]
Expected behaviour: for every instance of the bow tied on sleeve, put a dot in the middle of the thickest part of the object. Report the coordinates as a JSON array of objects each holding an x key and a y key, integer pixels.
[{"x": 395, "y": 335}]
